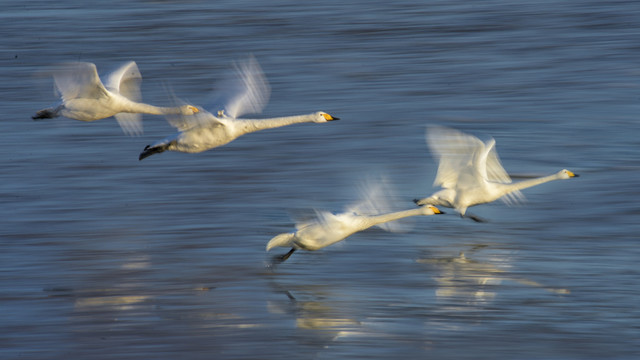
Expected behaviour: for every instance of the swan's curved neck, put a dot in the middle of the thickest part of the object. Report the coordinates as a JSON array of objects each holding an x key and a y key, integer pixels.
[{"x": 251, "y": 125}]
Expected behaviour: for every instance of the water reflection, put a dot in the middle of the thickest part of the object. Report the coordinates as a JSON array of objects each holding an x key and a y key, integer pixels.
[
  {"x": 324, "y": 320},
  {"x": 463, "y": 277}
]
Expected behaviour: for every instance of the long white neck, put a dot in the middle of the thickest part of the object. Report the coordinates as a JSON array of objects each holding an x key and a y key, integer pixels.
[
  {"x": 142, "y": 108},
  {"x": 507, "y": 188},
  {"x": 379, "y": 219},
  {"x": 251, "y": 125}
]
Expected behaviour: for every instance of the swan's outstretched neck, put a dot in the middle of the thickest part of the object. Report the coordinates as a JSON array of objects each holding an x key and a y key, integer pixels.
[
  {"x": 251, "y": 125},
  {"x": 564, "y": 174},
  {"x": 379, "y": 219}
]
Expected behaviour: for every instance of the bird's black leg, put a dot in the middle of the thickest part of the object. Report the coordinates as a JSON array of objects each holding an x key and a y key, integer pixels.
[
  {"x": 284, "y": 257},
  {"x": 474, "y": 217}
]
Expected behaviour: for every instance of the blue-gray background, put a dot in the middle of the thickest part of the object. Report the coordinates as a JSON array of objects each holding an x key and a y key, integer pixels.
[{"x": 103, "y": 256}]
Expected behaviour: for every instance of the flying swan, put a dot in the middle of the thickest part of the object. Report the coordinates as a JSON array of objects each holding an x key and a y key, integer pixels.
[
  {"x": 86, "y": 98},
  {"x": 328, "y": 228},
  {"x": 248, "y": 93},
  {"x": 470, "y": 173}
]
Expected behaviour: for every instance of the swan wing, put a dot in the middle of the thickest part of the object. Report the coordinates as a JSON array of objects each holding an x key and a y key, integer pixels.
[
  {"x": 493, "y": 171},
  {"x": 202, "y": 119},
  {"x": 130, "y": 123},
  {"x": 246, "y": 91},
  {"x": 455, "y": 152},
  {"x": 376, "y": 197},
  {"x": 78, "y": 80},
  {"x": 126, "y": 81}
]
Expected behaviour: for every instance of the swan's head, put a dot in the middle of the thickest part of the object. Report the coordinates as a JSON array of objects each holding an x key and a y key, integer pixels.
[
  {"x": 431, "y": 210},
  {"x": 321, "y": 117},
  {"x": 566, "y": 174},
  {"x": 188, "y": 110}
]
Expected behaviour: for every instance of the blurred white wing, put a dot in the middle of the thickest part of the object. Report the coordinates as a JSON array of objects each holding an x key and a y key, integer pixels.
[
  {"x": 202, "y": 118},
  {"x": 78, "y": 80},
  {"x": 455, "y": 152},
  {"x": 464, "y": 160},
  {"x": 376, "y": 197},
  {"x": 491, "y": 168},
  {"x": 246, "y": 92},
  {"x": 126, "y": 81}
]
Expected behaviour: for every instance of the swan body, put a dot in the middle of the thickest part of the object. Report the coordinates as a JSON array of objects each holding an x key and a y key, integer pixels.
[
  {"x": 470, "y": 173},
  {"x": 331, "y": 228},
  {"x": 204, "y": 131},
  {"x": 84, "y": 97}
]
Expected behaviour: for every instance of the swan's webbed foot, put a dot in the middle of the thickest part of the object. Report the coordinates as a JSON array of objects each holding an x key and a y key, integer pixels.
[
  {"x": 44, "y": 114},
  {"x": 149, "y": 150},
  {"x": 283, "y": 258},
  {"x": 474, "y": 218},
  {"x": 419, "y": 202},
  {"x": 279, "y": 259}
]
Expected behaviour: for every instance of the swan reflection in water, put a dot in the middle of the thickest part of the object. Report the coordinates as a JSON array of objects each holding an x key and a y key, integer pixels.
[
  {"x": 462, "y": 277},
  {"x": 327, "y": 322}
]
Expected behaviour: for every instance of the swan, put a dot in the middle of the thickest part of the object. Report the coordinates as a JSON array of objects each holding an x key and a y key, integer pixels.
[
  {"x": 331, "y": 228},
  {"x": 327, "y": 228},
  {"x": 248, "y": 93},
  {"x": 84, "y": 97},
  {"x": 470, "y": 173}
]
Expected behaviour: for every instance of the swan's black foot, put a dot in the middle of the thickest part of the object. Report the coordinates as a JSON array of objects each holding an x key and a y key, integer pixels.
[
  {"x": 284, "y": 257},
  {"x": 475, "y": 218},
  {"x": 44, "y": 114},
  {"x": 148, "y": 151},
  {"x": 279, "y": 259},
  {"x": 417, "y": 202}
]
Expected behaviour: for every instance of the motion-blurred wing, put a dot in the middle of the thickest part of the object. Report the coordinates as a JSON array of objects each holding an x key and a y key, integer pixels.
[
  {"x": 455, "y": 152},
  {"x": 126, "y": 81},
  {"x": 376, "y": 197},
  {"x": 494, "y": 171},
  {"x": 186, "y": 122},
  {"x": 78, "y": 80},
  {"x": 130, "y": 123},
  {"x": 246, "y": 92}
]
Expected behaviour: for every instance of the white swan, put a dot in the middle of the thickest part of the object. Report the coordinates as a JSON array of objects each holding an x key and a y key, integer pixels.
[
  {"x": 85, "y": 98},
  {"x": 248, "y": 94},
  {"x": 328, "y": 228},
  {"x": 470, "y": 173}
]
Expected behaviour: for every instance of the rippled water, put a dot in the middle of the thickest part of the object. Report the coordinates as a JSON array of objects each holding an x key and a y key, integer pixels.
[{"x": 103, "y": 256}]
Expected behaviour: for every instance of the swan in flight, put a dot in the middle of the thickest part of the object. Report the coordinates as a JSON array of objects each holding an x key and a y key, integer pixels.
[
  {"x": 470, "y": 173},
  {"x": 328, "y": 228},
  {"x": 248, "y": 93},
  {"x": 86, "y": 98}
]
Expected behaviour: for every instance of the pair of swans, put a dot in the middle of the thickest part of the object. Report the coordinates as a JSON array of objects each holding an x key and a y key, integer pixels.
[
  {"x": 84, "y": 97},
  {"x": 469, "y": 171}
]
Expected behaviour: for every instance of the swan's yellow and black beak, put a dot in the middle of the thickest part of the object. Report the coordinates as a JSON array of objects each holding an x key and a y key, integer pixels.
[
  {"x": 194, "y": 109},
  {"x": 329, "y": 117},
  {"x": 571, "y": 174},
  {"x": 435, "y": 210}
]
